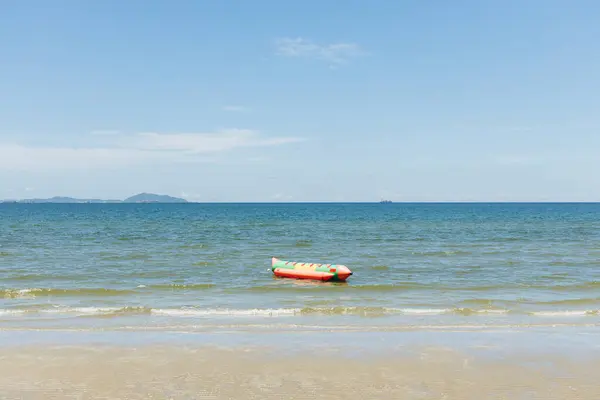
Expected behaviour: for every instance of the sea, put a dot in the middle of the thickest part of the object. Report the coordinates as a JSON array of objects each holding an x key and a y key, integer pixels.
[{"x": 205, "y": 268}]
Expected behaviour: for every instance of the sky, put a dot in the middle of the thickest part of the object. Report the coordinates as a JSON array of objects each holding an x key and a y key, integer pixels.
[{"x": 314, "y": 100}]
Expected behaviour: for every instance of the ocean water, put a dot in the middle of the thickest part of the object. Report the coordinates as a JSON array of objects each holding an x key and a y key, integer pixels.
[{"x": 206, "y": 267}]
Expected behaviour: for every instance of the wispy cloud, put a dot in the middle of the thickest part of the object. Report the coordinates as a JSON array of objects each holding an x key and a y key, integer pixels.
[
  {"x": 234, "y": 108},
  {"x": 335, "y": 53},
  {"x": 205, "y": 142},
  {"x": 140, "y": 148}
]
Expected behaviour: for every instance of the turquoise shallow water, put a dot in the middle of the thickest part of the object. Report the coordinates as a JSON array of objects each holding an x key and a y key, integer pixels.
[{"x": 203, "y": 267}]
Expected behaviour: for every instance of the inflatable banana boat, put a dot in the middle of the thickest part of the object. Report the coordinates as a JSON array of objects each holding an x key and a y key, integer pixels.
[{"x": 320, "y": 272}]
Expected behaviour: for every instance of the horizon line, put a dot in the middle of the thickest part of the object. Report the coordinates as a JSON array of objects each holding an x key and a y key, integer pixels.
[{"x": 117, "y": 201}]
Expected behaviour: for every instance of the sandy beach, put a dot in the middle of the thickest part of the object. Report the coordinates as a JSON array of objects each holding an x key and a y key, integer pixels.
[{"x": 170, "y": 372}]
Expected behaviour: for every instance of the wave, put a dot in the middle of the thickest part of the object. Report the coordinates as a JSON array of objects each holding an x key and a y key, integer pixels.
[
  {"x": 575, "y": 286},
  {"x": 42, "y": 277},
  {"x": 175, "y": 286},
  {"x": 302, "y": 286},
  {"x": 456, "y": 286},
  {"x": 296, "y": 328},
  {"x": 97, "y": 292},
  {"x": 565, "y": 313},
  {"x": 47, "y": 292},
  {"x": 284, "y": 312},
  {"x": 132, "y": 311},
  {"x": 442, "y": 253},
  {"x": 288, "y": 286},
  {"x": 566, "y": 302},
  {"x": 558, "y": 302},
  {"x": 198, "y": 312},
  {"x": 375, "y": 311}
]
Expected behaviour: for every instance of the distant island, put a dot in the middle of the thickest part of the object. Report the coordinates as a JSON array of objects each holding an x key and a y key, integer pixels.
[
  {"x": 153, "y": 198},
  {"x": 138, "y": 198}
]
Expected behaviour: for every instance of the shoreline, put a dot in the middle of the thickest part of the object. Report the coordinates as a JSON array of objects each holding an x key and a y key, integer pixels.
[{"x": 575, "y": 342}]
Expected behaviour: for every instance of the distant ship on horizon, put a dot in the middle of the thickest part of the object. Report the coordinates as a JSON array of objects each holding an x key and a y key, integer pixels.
[{"x": 382, "y": 201}]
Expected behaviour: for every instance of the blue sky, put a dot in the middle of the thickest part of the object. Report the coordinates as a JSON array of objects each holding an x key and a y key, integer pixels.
[{"x": 301, "y": 101}]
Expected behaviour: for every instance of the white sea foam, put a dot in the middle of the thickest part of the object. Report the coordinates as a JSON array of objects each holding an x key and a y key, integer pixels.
[
  {"x": 10, "y": 312},
  {"x": 281, "y": 312},
  {"x": 226, "y": 312},
  {"x": 421, "y": 311},
  {"x": 174, "y": 312},
  {"x": 565, "y": 313}
]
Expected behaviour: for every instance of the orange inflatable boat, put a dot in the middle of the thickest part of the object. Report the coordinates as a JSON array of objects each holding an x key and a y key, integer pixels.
[{"x": 301, "y": 270}]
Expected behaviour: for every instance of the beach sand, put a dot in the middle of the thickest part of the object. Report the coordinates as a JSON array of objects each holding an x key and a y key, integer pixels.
[{"x": 202, "y": 372}]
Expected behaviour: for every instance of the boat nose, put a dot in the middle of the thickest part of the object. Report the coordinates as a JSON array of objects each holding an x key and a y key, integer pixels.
[{"x": 343, "y": 272}]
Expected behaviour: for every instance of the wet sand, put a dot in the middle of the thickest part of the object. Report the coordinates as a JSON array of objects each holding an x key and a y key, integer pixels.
[{"x": 204, "y": 372}]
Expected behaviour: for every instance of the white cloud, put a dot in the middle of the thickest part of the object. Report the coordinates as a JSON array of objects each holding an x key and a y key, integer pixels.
[
  {"x": 336, "y": 53},
  {"x": 205, "y": 142},
  {"x": 141, "y": 148},
  {"x": 233, "y": 108},
  {"x": 18, "y": 157}
]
